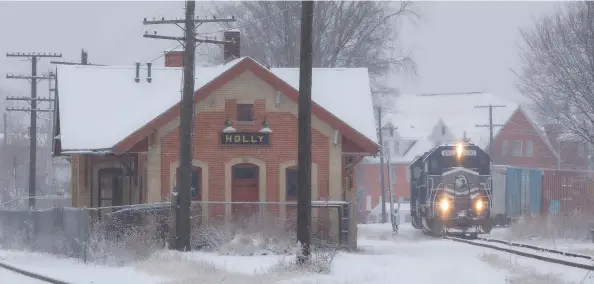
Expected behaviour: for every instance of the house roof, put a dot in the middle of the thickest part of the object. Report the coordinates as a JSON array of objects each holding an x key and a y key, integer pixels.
[{"x": 102, "y": 107}]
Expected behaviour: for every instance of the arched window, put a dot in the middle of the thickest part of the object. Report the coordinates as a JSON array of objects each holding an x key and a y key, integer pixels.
[
  {"x": 291, "y": 183},
  {"x": 195, "y": 183}
]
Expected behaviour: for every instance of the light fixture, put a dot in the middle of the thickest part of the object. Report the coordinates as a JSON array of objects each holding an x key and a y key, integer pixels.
[
  {"x": 228, "y": 128},
  {"x": 265, "y": 128}
]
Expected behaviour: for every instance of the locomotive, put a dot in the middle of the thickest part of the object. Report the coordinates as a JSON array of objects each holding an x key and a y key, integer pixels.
[{"x": 450, "y": 189}]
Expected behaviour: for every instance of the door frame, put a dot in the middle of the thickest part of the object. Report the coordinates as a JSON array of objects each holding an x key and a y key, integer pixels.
[{"x": 117, "y": 186}]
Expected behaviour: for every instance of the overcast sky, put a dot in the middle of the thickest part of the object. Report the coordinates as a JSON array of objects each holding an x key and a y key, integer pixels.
[{"x": 458, "y": 46}]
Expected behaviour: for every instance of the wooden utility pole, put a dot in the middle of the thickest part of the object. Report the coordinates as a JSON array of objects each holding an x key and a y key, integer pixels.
[
  {"x": 304, "y": 135},
  {"x": 33, "y": 100},
  {"x": 381, "y": 167},
  {"x": 490, "y": 125},
  {"x": 181, "y": 200}
]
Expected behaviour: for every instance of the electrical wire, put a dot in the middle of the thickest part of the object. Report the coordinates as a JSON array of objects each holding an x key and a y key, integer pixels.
[
  {"x": 163, "y": 54},
  {"x": 237, "y": 27},
  {"x": 127, "y": 34},
  {"x": 254, "y": 22}
]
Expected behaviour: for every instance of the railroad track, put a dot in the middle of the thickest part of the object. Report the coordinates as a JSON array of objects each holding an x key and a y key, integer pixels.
[
  {"x": 31, "y": 274},
  {"x": 486, "y": 243}
]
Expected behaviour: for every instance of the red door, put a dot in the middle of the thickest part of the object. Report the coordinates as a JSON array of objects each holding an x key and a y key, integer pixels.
[{"x": 244, "y": 188}]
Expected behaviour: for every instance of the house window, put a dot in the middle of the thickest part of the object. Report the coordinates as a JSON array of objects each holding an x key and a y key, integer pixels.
[
  {"x": 397, "y": 147},
  {"x": 504, "y": 148},
  {"x": 195, "y": 183},
  {"x": 291, "y": 183},
  {"x": 517, "y": 148},
  {"x": 529, "y": 148},
  {"x": 245, "y": 112},
  {"x": 443, "y": 130}
]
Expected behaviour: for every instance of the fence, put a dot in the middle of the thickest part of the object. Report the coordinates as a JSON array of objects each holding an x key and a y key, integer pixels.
[{"x": 119, "y": 235}]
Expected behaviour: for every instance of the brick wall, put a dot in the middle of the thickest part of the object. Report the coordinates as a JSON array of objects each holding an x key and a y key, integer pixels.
[
  {"x": 283, "y": 147},
  {"x": 368, "y": 178},
  {"x": 519, "y": 128},
  {"x": 211, "y": 114}
]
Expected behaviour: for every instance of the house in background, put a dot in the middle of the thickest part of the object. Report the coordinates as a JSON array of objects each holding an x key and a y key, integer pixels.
[
  {"x": 421, "y": 122},
  {"x": 523, "y": 142}
]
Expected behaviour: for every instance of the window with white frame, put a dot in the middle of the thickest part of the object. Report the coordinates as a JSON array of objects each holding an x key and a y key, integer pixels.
[
  {"x": 529, "y": 148},
  {"x": 517, "y": 148},
  {"x": 504, "y": 148},
  {"x": 397, "y": 147}
]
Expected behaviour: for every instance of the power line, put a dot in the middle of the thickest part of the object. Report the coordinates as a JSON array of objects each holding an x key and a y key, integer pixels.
[
  {"x": 127, "y": 34},
  {"x": 255, "y": 21},
  {"x": 229, "y": 29}
]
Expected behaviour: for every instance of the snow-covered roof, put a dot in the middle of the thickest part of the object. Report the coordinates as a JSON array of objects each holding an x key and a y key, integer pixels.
[{"x": 99, "y": 106}]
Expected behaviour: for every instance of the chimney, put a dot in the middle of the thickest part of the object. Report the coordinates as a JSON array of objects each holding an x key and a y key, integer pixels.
[
  {"x": 84, "y": 57},
  {"x": 231, "y": 50},
  {"x": 174, "y": 58}
]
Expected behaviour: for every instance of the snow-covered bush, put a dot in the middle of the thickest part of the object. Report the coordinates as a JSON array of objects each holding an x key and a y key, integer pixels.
[
  {"x": 112, "y": 242},
  {"x": 567, "y": 226},
  {"x": 320, "y": 261},
  {"x": 254, "y": 235}
]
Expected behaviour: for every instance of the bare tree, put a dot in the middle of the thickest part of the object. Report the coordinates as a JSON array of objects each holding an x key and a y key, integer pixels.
[
  {"x": 346, "y": 34},
  {"x": 558, "y": 68}
]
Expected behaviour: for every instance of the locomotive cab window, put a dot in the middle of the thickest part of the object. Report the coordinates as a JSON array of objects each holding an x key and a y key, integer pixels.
[{"x": 416, "y": 172}]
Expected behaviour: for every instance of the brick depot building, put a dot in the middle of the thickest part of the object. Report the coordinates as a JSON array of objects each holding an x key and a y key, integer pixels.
[{"x": 120, "y": 126}]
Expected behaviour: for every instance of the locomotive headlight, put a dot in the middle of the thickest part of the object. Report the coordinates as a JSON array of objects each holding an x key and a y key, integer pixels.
[
  {"x": 479, "y": 205},
  {"x": 444, "y": 205},
  {"x": 459, "y": 150}
]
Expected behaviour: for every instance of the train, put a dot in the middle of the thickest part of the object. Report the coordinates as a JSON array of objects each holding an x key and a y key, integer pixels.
[{"x": 450, "y": 189}]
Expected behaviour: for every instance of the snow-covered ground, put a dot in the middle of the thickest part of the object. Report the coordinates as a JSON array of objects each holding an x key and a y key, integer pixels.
[
  {"x": 383, "y": 257},
  {"x": 73, "y": 271},
  {"x": 12, "y": 277},
  {"x": 582, "y": 246}
]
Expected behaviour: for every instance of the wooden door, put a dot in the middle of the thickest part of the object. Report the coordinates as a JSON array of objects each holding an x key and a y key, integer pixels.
[{"x": 245, "y": 188}]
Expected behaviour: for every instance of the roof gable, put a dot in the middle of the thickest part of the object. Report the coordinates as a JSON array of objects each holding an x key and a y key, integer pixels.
[
  {"x": 160, "y": 104},
  {"x": 533, "y": 124}
]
